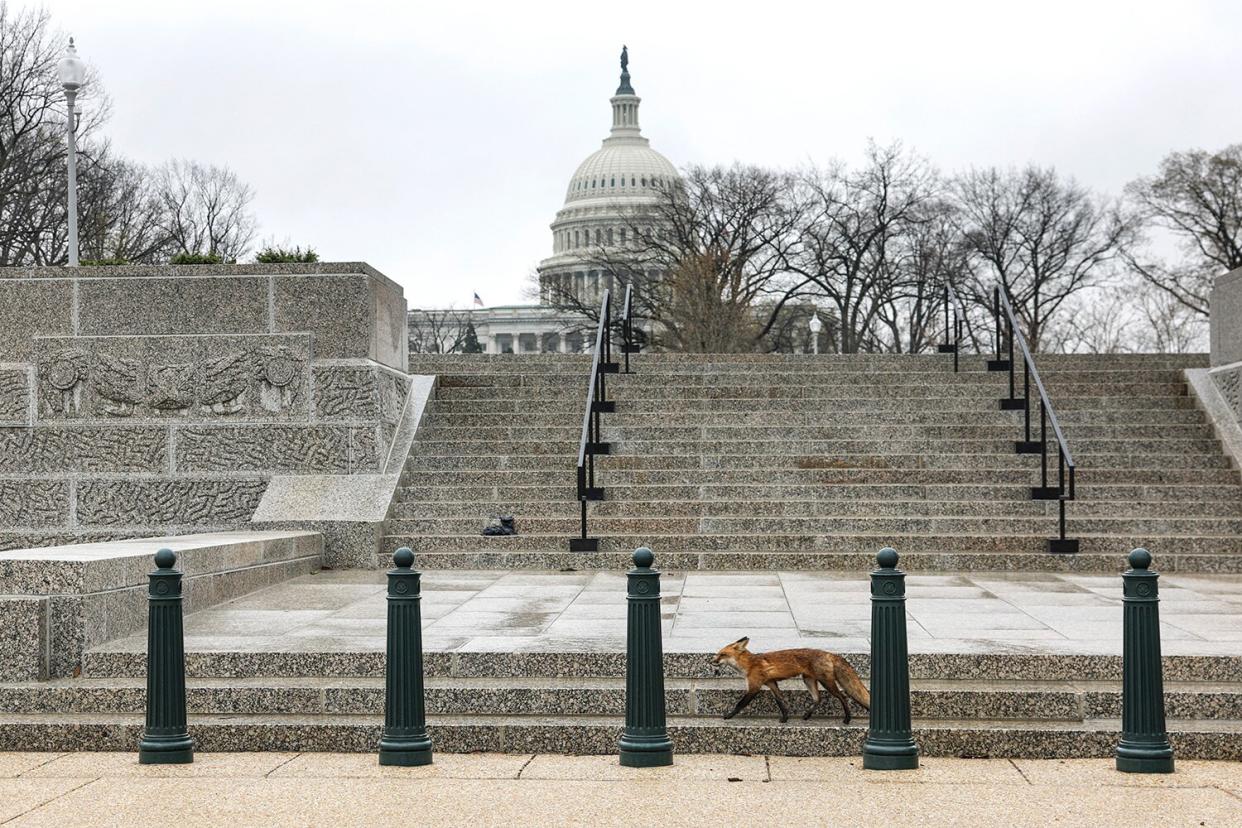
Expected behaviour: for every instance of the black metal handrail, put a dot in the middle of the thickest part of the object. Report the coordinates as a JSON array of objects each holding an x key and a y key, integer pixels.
[
  {"x": 627, "y": 326},
  {"x": 953, "y": 334},
  {"x": 591, "y": 443},
  {"x": 1064, "y": 490}
]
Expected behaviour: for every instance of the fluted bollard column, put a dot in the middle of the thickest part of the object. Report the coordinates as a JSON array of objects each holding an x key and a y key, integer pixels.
[
  {"x": 1144, "y": 745},
  {"x": 165, "y": 739},
  {"x": 645, "y": 742},
  {"x": 405, "y": 740},
  {"x": 890, "y": 744}
]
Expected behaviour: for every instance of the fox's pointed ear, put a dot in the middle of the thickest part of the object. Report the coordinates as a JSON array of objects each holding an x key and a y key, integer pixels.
[{"x": 742, "y": 642}]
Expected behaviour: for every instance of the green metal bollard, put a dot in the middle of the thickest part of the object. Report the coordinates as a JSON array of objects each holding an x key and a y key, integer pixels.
[
  {"x": 1144, "y": 745},
  {"x": 404, "y": 741},
  {"x": 645, "y": 742},
  {"x": 165, "y": 739},
  {"x": 890, "y": 744}
]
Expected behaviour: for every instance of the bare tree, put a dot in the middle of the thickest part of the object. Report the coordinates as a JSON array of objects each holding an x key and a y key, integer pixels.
[
  {"x": 853, "y": 239},
  {"x": 1196, "y": 199},
  {"x": 121, "y": 214},
  {"x": 1042, "y": 237},
  {"x": 708, "y": 260},
  {"x": 439, "y": 331},
  {"x": 206, "y": 209}
]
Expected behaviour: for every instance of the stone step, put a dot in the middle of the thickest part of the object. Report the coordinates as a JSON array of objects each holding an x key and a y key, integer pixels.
[
  {"x": 778, "y": 375},
  {"x": 1220, "y": 496},
  {"x": 931, "y": 389},
  {"x": 951, "y": 526},
  {"x": 1029, "y": 556},
  {"x": 655, "y": 431},
  {"x": 433, "y": 444},
  {"x": 1089, "y": 463},
  {"x": 767, "y": 550},
  {"x": 825, "y": 408},
  {"x": 812, "y": 477},
  {"x": 1191, "y": 739},
  {"x": 605, "y": 696},
  {"x": 475, "y": 508},
  {"x": 655, "y": 361},
  {"x": 470, "y": 419}
]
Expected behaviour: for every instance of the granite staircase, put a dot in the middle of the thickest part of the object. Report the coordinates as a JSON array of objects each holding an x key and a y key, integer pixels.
[
  {"x": 1013, "y": 705},
  {"x": 801, "y": 462}
]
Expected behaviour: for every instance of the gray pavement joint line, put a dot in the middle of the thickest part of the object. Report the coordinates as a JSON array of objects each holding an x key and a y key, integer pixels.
[
  {"x": 525, "y": 765},
  {"x": 1020, "y": 772},
  {"x": 1228, "y": 792},
  {"x": 53, "y": 758},
  {"x": 60, "y": 795},
  {"x": 282, "y": 764}
]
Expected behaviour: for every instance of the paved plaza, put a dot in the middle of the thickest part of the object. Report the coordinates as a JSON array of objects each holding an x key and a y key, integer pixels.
[
  {"x": 277, "y": 789},
  {"x": 572, "y": 611}
]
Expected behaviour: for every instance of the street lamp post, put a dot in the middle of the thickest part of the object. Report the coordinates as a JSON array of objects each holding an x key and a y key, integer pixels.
[
  {"x": 816, "y": 327},
  {"x": 72, "y": 73}
]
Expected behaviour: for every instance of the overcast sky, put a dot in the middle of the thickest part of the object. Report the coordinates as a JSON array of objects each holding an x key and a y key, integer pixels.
[{"x": 435, "y": 140}]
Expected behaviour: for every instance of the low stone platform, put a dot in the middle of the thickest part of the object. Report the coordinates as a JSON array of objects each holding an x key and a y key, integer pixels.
[
  {"x": 56, "y": 601},
  {"x": 1002, "y": 664}
]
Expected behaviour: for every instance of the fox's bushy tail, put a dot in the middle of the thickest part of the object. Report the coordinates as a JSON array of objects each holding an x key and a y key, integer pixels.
[{"x": 848, "y": 678}]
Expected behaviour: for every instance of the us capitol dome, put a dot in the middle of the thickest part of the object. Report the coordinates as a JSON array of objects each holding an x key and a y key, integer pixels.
[{"x": 607, "y": 191}]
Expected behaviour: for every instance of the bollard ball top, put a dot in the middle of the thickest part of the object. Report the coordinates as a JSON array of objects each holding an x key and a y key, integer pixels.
[
  {"x": 643, "y": 557},
  {"x": 165, "y": 559},
  {"x": 887, "y": 559},
  {"x": 1140, "y": 559},
  {"x": 403, "y": 557}
]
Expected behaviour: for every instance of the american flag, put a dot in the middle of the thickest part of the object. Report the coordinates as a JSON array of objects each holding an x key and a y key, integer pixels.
[{"x": 477, "y": 301}]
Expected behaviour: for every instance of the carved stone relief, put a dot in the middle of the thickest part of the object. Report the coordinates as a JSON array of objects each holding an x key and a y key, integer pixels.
[{"x": 159, "y": 377}]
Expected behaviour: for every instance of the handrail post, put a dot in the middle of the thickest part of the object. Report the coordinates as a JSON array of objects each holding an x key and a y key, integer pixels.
[{"x": 999, "y": 363}]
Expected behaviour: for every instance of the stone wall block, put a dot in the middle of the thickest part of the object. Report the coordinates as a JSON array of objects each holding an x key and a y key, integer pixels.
[
  {"x": 187, "y": 305},
  {"x": 33, "y": 503},
  {"x": 30, "y": 308},
  {"x": 83, "y": 449},
  {"x": 23, "y": 638},
  {"x": 168, "y": 502}
]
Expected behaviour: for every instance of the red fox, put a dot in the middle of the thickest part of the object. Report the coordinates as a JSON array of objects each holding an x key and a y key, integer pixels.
[{"x": 815, "y": 666}]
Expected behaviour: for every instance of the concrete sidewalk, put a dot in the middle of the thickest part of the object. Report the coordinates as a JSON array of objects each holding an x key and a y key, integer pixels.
[
  {"x": 975, "y": 612},
  {"x": 277, "y": 789}
]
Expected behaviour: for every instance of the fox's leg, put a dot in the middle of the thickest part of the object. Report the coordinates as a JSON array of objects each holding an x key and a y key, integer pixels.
[
  {"x": 780, "y": 700},
  {"x": 813, "y": 689},
  {"x": 746, "y": 699},
  {"x": 832, "y": 688}
]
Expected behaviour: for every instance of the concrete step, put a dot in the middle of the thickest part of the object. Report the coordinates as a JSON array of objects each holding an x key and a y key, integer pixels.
[
  {"x": 1031, "y": 556},
  {"x": 127, "y": 659},
  {"x": 812, "y": 477},
  {"x": 826, "y": 408},
  {"x": 655, "y": 431},
  {"x": 1191, "y": 739},
  {"x": 766, "y": 550},
  {"x": 1226, "y": 498},
  {"x": 929, "y": 389},
  {"x": 470, "y": 418},
  {"x": 605, "y": 696},
  {"x": 434, "y": 444},
  {"x": 779, "y": 375},
  {"x": 566, "y": 459},
  {"x": 628, "y": 508},
  {"x": 910, "y": 523}
]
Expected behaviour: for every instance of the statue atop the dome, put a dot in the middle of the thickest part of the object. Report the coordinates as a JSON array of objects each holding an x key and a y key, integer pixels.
[{"x": 625, "y": 88}]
